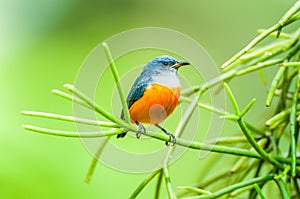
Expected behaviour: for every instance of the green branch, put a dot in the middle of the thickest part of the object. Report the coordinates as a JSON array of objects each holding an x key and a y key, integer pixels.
[
  {"x": 70, "y": 119},
  {"x": 158, "y": 184},
  {"x": 71, "y": 98},
  {"x": 95, "y": 160},
  {"x": 100, "y": 110},
  {"x": 256, "y": 146},
  {"x": 246, "y": 131},
  {"x": 259, "y": 191},
  {"x": 168, "y": 183},
  {"x": 282, "y": 22},
  {"x": 284, "y": 192},
  {"x": 91, "y": 103},
  {"x": 143, "y": 184},
  {"x": 71, "y": 134},
  {"x": 274, "y": 85},
  {"x": 293, "y": 125},
  {"x": 160, "y": 136},
  {"x": 234, "y": 187},
  {"x": 117, "y": 81}
]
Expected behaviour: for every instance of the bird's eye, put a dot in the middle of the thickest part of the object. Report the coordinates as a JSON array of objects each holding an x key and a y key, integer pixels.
[{"x": 165, "y": 63}]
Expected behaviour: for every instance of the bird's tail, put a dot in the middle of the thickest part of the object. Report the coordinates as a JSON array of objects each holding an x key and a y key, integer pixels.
[{"x": 123, "y": 134}]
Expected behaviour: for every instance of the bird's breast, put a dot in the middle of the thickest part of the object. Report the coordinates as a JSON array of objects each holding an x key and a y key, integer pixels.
[{"x": 156, "y": 104}]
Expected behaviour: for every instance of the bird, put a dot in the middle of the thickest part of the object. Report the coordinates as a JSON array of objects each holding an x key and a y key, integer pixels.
[{"x": 154, "y": 94}]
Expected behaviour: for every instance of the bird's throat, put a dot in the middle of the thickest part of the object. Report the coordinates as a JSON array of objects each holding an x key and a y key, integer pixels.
[{"x": 167, "y": 79}]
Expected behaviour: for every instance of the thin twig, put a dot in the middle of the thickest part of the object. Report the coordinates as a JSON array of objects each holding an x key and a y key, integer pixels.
[
  {"x": 289, "y": 14},
  {"x": 160, "y": 136},
  {"x": 73, "y": 134},
  {"x": 70, "y": 119},
  {"x": 293, "y": 120},
  {"x": 168, "y": 183},
  {"x": 259, "y": 191},
  {"x": 282, "y": 188},
  {"x": 274, "y": 85},
  {"x": 246, "y": 131},
  {"x": 158, "y": 184},
  {"x": 95, "y": 160},
  {"x": 117, "y": 81},
  {"x": 234, "y": 187},
  {"x": 143, "y": 184}
]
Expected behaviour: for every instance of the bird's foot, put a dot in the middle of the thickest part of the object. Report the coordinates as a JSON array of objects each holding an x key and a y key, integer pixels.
[
  {"x": 141, "y": 130},
  {"x": 172, "y": 139}
]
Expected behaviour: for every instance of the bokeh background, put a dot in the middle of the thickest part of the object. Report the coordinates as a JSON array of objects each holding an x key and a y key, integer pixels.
[{"x": 43, "y": 44}]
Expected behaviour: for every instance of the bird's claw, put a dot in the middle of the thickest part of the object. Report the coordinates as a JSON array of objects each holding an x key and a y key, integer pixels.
[
  {"x": 140, "y": 131},
  {"x": 172, "y": 138}
]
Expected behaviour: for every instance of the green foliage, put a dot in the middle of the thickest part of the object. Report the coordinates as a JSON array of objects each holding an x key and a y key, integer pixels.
[{"x": 263, "y": 167}]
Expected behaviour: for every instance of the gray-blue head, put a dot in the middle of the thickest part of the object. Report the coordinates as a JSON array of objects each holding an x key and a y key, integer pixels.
[{"x": 165, "y": 63}]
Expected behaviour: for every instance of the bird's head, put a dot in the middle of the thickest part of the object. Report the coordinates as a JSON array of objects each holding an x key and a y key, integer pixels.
[{"x": 165, "y": 63}]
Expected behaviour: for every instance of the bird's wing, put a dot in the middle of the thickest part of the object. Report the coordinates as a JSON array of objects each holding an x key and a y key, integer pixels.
[{"x": 138, "y": 88}]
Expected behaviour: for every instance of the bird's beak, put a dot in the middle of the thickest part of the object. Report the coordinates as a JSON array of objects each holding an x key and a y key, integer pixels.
[{"x": 180, "y": 63}]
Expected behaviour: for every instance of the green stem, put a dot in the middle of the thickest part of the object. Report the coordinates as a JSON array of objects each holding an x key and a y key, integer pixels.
[
  {"x": 160, "y": 136},
  {"x": 297, "y": 190},
  {"x": 264, "y": 52},
  {"x": 168, "y": 183},
  {"x": 70, "y": 119},
  {"x": 95, "y": 160},
  {"x": 216, "y": 148},
  {"x": 259, "y": 66},
  {"x": 240, "y": 191},
  {"x": 216, "y": 179},
  {"x": 282, "y": 34},
  {"x": 256, "y": 146},
  {"x": 204, "y": 106},
  {"x": 253, "y": 193},
  {"x": 158, "y": 184},
  {"x": 73, "y": 134},
  {"x": 118, "y": 82},
  {"x": 293, "y": 120},
  {"x": 247, "y": 108},
  {"x": 289, "y": 76},
  {"x": 180, "y": 128},
  {"x": 84, "y": 98},
  {"x": 277, "y": 119},
  {"x": 293, "y": 19},
  {"x": 71, "y": 98},
  {"x": 217, "y": 80},
  {"x": 259, "y": 191},
  {"x": 295, "y": 49},
  {"x": 195, "y": 190},
  {"x": 256, "y": 59},
  {"x": 228, "y": 140},
  {"x": 293, "y": 64},
  {"x": 143, "y": 184},
  {"x": 100, "y": 110},
  {"x": 187, "y": 115},
  {"x": 289, "y": 14},
  {"x": 234, "y": 187},
  {"x": 232, "y": 99},
  {"x": 241, "y": 162},
  {"x": 283, "y": 189},
  {"x": 246, "y": 131},
  {"x": 263, "y": 35},
  {"x": 274, "y": 85}
]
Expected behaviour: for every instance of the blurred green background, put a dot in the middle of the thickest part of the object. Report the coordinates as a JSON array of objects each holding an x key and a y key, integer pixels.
[{"x": 43, "y": 44}]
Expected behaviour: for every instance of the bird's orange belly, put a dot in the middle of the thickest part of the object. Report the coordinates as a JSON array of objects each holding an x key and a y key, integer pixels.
[{"x": 156, "y": 104}]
